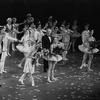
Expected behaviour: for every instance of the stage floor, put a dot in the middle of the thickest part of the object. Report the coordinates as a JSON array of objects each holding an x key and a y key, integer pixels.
[{"x": 72, "y": 83}]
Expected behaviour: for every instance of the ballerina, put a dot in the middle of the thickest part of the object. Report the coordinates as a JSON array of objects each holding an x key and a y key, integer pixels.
[
  {"x": 54, "y": 57},
  {"x": 30, "y": 51},
  {"x": 64, "y": 33},
  {"x": 87, "y": 39},
  {"x": 24, "y": 41},
  {"x": 6, "y": 38},
  {"x": 75, "y": 35}
]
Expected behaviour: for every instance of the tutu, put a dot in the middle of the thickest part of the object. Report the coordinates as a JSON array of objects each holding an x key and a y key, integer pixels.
[
  {"x": 56, "y": 58},
  {"x": 87, "y": 50},
  {"x": 23, "y": 49}
]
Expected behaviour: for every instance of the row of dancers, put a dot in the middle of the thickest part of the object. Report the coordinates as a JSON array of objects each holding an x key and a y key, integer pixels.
[{"x": 50, "y": 43}]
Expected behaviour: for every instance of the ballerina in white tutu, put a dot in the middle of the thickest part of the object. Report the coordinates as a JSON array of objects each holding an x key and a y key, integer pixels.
[
  {"x": 29, "y": 51},
  {"x": 24, "y": 46},
  {"x": 6, "y": 38},
  {"x": 28, "y": 67},
  {"x": 54, "y": 57},
  {"x": 86, "y": 47}
]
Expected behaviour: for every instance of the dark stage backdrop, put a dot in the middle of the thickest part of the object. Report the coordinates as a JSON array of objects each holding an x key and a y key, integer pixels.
[{"x": 85, "y": 11}]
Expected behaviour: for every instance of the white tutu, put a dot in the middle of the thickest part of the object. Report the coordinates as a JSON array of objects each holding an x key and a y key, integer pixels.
[
  {"x": 24, "y": 49},
  {"x": 56, "y": 58},
  {"x": 86, "y": 50},
  {"x": 28, "y": 68}
]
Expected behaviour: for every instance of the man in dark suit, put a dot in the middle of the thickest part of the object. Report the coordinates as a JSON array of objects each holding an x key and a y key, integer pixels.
[{"x": 46, "y": 43}]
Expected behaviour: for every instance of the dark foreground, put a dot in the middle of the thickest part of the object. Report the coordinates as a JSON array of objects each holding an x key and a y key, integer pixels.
[{"x": 72, "y": 83}]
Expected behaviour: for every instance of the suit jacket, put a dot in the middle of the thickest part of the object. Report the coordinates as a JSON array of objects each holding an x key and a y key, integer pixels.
[{"x": 46, "y": 43}]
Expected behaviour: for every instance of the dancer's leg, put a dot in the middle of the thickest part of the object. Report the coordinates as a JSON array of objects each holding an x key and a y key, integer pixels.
[
  {"x": 22, "y": 78},
  {"x": 32, "y": 79},
  {"x": 13, "y": 46},
  {"x": 49, "y": 71},
  {"x": 8, "y": 47},
  {"x": 73, "y": 44},
  {"x": 53, "y": 78},
  {"x": 90, "y": 61},
  {"x": 84, "y": 60},
  {"x": 21, "y": 62},
  {"x": 64, "y": 55},
  {"x": 2, "y": 63}
]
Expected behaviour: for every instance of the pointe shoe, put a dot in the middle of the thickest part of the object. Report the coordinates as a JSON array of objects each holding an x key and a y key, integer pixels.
[
  {"x": 33, "y": 84},
  {"x": 3, "y": 71},
  {"x": 49, "y": 80},
  {"x": 20, "y": 80},
  {"x": 9, "y": 54},
  {"x": 90, "y": 69},
  {"x": 14, "y": 49},
  {"x": 54, "y": 79},
  {"x": 20, "y": 66},
  {"x": 83, "y": 65}
]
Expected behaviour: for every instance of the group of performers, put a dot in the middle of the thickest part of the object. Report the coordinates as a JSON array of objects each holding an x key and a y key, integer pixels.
[{"x": 49, "y": 43}]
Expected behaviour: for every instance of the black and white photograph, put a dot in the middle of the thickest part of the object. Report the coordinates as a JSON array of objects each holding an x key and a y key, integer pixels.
[{"x": 49, "y": 50}]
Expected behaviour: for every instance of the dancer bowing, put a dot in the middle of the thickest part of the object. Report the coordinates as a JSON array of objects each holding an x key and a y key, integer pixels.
[
  {"x": 6, "y": 38},
  {"x": 87, "y": 48}
]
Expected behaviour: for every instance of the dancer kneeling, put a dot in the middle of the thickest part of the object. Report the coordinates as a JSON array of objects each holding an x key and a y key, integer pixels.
[{"x": 53, "y": 57}]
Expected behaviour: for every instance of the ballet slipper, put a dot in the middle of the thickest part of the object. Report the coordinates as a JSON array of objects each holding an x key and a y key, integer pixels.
[
  {"x": 20, "y": 66},
  {"x": 14, "y": 49},
  {"x": 9, "y": 54},
  {"x": 49, "y": 80},
  {"x": 54, "y": 79},
  {"x": 83, "y": 65},
  {"x": 33, "y": 84},
  {"x": 3, "y": 71},
  {"x": 20, "y": 80},
  {"x": 89, "y": 69}
]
